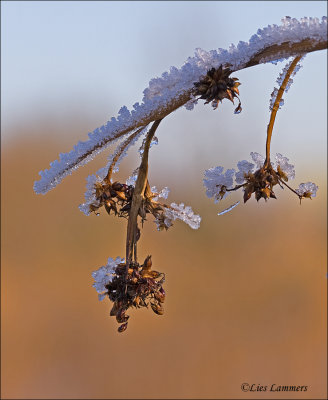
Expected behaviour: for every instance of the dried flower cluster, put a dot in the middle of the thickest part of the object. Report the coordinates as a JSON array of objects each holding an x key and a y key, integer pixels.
[
  {"x": 261, "y": 183},
  {"x": 216, "y": 85},
  {"x": 125, "y": 282},
  {"x": 267, "y": 174},
  {"x": 258, "y": 178},
  {"x": 115, "y": 197},
  {"x": 141, "y": 287}
]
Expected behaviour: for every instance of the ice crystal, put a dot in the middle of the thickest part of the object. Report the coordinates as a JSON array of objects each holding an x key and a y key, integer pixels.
[
  {"x": 163, "y": 93},
  {"x": 258, "y": 159},
  {"x": 159, "y": 223},
  {"x": 191, "y": 103},
  {"x": 308, "y": 187},
  {"x": 215, "y": 180},
  {"x": 90, "y": 194},
  {"x": 152, "y": 143},
  {"x": 104, "y": 275},
  {"x": 252, "y": 178},
  {"x": 132, "y": 180},
  {"x": 185, "y": 213},
  {"x": 123, "y": 148},
  {"x": 160, "y": 194},
  {"x": 280, "y": 80},
  {"x": 92, "y": 180},
  {"x": 229, "y": 208},
  {"x": 287, "y": 168},
  {"x": 244, "y": 168}
]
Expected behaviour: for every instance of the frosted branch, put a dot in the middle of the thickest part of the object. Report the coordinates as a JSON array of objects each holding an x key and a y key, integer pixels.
[
  {"x": 166, "y": 94},
  {"x": 185, "y": 213}
]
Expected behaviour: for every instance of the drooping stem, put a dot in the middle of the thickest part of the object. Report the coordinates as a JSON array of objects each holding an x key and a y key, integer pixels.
[
  {"x": 138, "y": 195},
  {"x": 290, "y": 188},
  {"x": 119, "y": 151},
  {"x": 275, "y": 108},
  {"x": 236, "y": 187}
]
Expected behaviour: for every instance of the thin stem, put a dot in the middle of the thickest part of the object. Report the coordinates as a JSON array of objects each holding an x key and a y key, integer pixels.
[
  {"x": 119, "y": 151},
  {"x": 294, "y": 191},
  {"x": 275, "y": 108},
  {"x": 138, "y": 196},
  {"x": 236, "y": 187}
]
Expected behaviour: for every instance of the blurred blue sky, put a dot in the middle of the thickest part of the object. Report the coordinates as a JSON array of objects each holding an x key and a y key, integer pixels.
[{"x": 63, "y": 60}]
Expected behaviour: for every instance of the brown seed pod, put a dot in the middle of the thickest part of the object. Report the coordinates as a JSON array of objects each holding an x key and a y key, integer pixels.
[
  {"x": 120, "y": 195},
  {"x": 157, "y": 308},
  {"x": 114, "y": 309},
  {"x": 122, "y": 327},
  {"x": 216, "y": 86},
  {"x": 160, "y": 297},
  {"x": 121, "y": 316},
  {"x": 117, "y": 186}
]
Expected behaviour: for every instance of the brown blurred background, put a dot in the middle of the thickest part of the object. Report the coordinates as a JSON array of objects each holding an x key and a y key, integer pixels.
[{"x": 246, "y": 293}]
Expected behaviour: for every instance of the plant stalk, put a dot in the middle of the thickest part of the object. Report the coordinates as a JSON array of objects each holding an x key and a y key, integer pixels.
[
  {"x": 275, "y": 108},
  {"x": 138, "y": 196},
  {"x": 119, "y": 151}
]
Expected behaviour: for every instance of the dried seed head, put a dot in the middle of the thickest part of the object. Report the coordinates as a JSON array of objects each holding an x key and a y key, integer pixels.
[
  {"x": 140, "y": 288},
  {"x": 261, "y": 183},
  {"x": 115, "y": 197},
  {"x": 216, "y": 86}
]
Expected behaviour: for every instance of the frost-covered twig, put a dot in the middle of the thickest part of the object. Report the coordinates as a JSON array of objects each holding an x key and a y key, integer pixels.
[
  {"x": 276, "y": 103},
  {"x": 206, "y": 76},
  {"x": 138, "y": 195},
  {"x": 174, "y": 89},
  {"x": 267, "y": 175},
  {"x": 122, "y": 150}
]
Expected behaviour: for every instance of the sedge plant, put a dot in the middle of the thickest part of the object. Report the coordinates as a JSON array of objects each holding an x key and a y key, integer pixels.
[{"x": 126, "y": 281}]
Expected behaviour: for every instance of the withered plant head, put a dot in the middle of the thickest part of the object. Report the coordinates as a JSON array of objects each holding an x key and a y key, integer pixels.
[
  {"x": 216, "y": 86},
  {"x": 261, "y": 183},
  {"x": 115, "y": 197},
  {"x": 141, "y": 287}
]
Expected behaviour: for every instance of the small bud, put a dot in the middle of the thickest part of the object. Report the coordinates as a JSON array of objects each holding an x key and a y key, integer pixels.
[
  {"x": 122, "y": 327},
  {"x": 160, "y": 297},
  {"x": 157, "y": 308},
  {"x": 117, "y": 186},
  {"x": 121, "y": 195},
  {"x": 266, "y": 193},
  {"x": 150, "y": 274},
  {"x": 147, "y": 263},
  {"x": 121, "y": 316},
  {"x": 114, "y": 309}
]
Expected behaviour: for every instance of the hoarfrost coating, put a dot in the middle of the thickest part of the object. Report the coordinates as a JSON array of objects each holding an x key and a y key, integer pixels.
[
  {"x": 226, "y": 210},
  {"x": 104, "y": 275},
  {"x": 92, "y": 180},
  {"x": 216, "y": 178},
  {"x": 308, "y": 187},
  {"x": 280, "y": 80},
  {"x": 164, "y": 93},
  {"x": 185, "y": 213}
]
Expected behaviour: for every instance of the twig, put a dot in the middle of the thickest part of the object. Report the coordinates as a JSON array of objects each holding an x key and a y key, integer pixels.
[
  {"x": 275, "y": 108},
  {"x": 120, "y": 149},
  {"x": 269, "y": 53},
  {"x": 294, "y": 191},
  {"x": 138, "y": 195}
]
